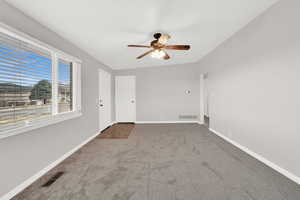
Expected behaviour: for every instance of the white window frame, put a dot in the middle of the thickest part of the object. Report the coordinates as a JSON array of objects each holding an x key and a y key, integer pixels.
[{"x": 55, "y": 117}]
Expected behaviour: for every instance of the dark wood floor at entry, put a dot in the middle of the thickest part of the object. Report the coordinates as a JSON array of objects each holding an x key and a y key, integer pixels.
[{"x": 117, "y": 131}]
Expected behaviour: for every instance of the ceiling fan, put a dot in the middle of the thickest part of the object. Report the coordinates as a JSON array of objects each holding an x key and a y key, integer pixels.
[{"x": 158, "y": 47}]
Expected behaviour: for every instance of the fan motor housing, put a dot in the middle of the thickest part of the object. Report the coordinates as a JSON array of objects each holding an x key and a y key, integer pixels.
[{"x": 157, "y": 35}]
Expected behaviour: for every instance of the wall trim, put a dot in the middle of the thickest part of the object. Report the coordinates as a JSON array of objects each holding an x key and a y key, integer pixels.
[
  {"x": 110, "y": 124},
  {"x": 39, "y": 123},
  {"x": 274, "y": 166},
  {"x": 39, "y": 174},
  {"x": 167, "y": 122}
]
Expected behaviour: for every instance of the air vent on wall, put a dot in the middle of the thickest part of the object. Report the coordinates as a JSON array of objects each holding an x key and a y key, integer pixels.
[{"x": 188, "y": 116}]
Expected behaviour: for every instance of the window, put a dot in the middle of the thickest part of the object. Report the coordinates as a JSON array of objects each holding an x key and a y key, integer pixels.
[
  {"x": 65, "y": 93},
  {"x": 37, "y": 82}
]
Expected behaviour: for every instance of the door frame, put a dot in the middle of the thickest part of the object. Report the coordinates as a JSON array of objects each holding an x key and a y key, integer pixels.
[
  {"x": 135, "y": 101},
  {"x": 204, "y": 100}
]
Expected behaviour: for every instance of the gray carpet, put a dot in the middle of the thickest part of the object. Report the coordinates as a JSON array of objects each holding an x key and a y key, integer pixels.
[{"x": 163, "y": 162}]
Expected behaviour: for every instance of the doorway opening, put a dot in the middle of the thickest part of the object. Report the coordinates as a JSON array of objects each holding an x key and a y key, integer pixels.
[
  {"x": 204, "y": 100},
  {"x": 125, "y": 99}
]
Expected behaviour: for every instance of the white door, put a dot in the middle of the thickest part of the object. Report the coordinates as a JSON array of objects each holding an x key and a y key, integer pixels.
[
  {"x": 104, "y": 99},
  {"x": 125, "y": 99}
]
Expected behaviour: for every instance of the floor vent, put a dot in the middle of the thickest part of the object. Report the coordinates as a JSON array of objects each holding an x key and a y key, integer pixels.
[{"x": 53, "y": 179}]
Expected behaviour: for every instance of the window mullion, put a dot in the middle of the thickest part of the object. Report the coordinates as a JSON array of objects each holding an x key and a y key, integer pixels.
[
  {"x": 77, "y": 87},
  {"x": 54, "y": 84},
  {"x": 74, "y": 86}
]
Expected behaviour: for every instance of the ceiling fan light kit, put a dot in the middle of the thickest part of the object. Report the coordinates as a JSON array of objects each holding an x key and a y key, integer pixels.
[
  {"x": 158, "y": 47},
  {"x": 158, "y": 53}
]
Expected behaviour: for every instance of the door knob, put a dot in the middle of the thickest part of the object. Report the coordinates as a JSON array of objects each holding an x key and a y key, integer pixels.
[
  {"x": 132, "y": 101},
  {"x": 101, "y": 105}
]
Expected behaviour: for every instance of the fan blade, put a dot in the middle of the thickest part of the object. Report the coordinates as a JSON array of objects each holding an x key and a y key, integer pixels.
[
  {"x": 164, "y": 38},
  {"x": 143, "y": 46},
  {"x": 148, "y": 52},
  {"x": 178, "y": 47},
  {"x": 166, "y": 57}
]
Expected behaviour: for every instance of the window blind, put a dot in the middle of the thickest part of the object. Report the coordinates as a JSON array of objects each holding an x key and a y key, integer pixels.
[{"x": 25, "y": 81}]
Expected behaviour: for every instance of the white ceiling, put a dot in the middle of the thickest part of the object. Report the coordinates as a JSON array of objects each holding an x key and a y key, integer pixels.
[{"x": 104, "y": 28}]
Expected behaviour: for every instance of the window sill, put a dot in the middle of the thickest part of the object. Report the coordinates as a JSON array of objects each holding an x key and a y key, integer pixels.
[{"x": 39, "y": 124}]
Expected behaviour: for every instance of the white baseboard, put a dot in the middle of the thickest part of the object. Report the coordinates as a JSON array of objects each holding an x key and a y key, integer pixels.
[
  {"x": 110, "y": 124},
  {"x": 166, "y": 122},
  {"x": 282, "y": 171},
  {"x": 33, "y": 178}
]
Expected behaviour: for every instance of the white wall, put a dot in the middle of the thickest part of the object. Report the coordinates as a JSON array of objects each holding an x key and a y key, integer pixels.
[
  {"x": 254, "y": 82},
  {"x": 161, "y": 92},
  {"x": 24, "y": 155}
]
